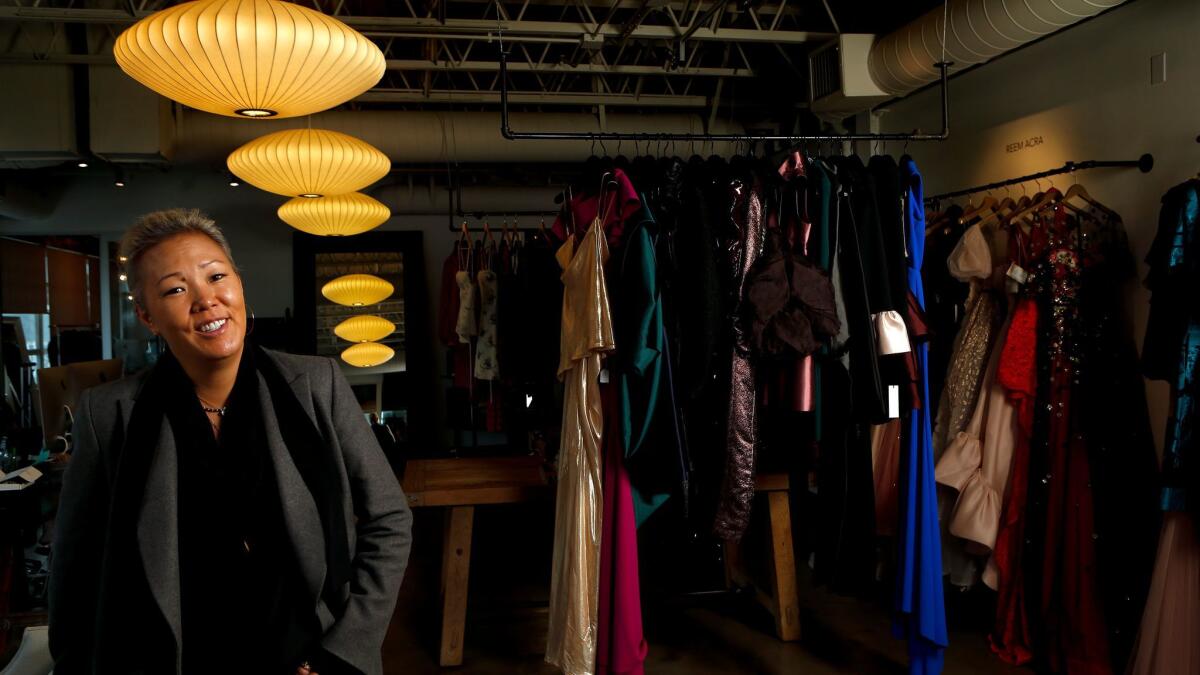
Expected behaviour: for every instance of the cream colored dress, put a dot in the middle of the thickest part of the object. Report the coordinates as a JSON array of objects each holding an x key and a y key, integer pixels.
[
  {"x": 970, "y": 261},
  {"x": 977, "y": 462},
  {"x": 575, "y": 575}
]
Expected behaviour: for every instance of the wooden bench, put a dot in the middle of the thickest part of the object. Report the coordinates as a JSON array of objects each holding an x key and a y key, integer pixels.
[
  {"x": 461, "y": 484},
  {"x": 778, "y": 595}
]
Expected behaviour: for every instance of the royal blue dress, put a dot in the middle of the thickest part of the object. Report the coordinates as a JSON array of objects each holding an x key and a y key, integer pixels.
[{"x": 920, "y": 610}]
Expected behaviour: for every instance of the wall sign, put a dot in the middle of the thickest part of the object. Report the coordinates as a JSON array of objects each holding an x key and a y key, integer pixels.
[{"x": 1031, "y": 142}]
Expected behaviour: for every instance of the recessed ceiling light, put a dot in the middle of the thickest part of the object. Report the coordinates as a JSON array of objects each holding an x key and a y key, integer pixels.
[{"x": 83, "y": 165}]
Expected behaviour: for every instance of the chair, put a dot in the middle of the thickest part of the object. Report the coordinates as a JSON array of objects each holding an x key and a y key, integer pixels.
[{"x": 33, "y": 656}]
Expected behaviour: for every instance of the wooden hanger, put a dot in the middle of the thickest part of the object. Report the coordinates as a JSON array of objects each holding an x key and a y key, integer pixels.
[
  {"x": 464, "y": 247},
  {"x": 988, "y": 202},
  {"x": 1035, "y": 204},
  {"x": 1001, "y": 209},
  {"x": 1078, "y": 191}
]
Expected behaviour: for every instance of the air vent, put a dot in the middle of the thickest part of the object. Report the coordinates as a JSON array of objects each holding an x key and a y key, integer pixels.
[
  {"x": 841, "y": 82},
  {"x": 825, "y": 71}
]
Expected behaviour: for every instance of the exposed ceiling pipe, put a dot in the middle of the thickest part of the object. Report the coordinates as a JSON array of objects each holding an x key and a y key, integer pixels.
[
  {"x": 979, "y": 30},
  {"x": 436, "y": 137},
  {"x": 405, "y": 200}
]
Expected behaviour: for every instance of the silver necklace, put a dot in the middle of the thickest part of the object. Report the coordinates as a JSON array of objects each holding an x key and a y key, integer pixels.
[{"x": 219, "y": 411}]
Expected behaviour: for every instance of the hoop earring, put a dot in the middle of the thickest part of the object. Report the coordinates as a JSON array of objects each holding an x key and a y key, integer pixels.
[{"x": 250, "y": 323}]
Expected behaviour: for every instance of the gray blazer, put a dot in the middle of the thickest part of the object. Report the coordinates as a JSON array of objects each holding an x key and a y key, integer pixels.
[{"x": 378, "y": 519}]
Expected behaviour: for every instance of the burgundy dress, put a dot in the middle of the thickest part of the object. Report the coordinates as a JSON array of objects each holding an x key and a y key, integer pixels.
[{"x": 1091, "y": 517}]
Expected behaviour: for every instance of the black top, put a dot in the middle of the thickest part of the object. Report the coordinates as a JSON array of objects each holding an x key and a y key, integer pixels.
[{"x": 239, "y": 589}]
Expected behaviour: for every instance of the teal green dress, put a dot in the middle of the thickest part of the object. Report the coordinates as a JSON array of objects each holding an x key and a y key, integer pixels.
[{"x": 641, "y": 343}]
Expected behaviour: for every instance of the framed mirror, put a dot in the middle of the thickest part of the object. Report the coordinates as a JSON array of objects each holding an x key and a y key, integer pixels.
[{"x": 395, "y": 392}]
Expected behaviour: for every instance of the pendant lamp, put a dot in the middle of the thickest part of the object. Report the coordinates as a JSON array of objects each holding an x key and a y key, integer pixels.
[
  {"x": 249, "y": 58},
  {"x": 356, "y": 290},
  {"x": 364, "y": 328},
  {"x": 308, "y": 163},
  {"x": 367, "y": 354},
  {"x": 336, "y": 216}
]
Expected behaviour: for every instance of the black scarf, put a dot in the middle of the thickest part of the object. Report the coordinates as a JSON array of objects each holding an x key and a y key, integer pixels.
[{"x": 131, "y": 633}]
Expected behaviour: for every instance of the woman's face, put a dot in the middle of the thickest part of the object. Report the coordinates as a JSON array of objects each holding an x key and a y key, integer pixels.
[{"x": 193, "y": 298}]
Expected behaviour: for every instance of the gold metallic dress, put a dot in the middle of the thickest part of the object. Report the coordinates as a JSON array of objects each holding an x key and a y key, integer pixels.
[{"x": 575, "y": 576}]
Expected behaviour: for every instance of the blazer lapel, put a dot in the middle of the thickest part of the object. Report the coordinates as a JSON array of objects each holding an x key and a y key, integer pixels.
[
  {"x": 301, "y": 518},
  {"x": 158, "y": 528},
  {"x": 158, "y": 520}
]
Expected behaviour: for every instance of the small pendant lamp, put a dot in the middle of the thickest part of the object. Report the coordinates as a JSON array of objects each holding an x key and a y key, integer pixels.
[
  {"x": 336, "y": 216},
  {"x": 249, "y": 58},
  {"x": 357, "y": 290},
  {"x": 364, "y": 328},
  {"x": 308, "y": 163},
  {"x": 367, "y": 354}
]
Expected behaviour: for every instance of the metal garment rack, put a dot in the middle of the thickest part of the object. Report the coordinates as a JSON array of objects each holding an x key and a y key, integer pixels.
[
  {"x": 507, "y": 131},
  {"x": 1144, "y": 164},
  {"x": 456, "y": 212}
]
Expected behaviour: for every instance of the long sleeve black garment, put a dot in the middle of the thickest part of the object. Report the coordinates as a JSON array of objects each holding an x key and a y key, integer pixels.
[
  {"x": 238, "y": 582},
  {"x": 859, "y": 248}
]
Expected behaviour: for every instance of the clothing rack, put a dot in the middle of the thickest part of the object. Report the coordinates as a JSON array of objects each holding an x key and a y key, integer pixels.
[
  {"x": 507, "y": 131},
  {"x": 1144, "y": 164},
  {"x": 485, "y": 215},
  {"x": 456, "y": 212}
]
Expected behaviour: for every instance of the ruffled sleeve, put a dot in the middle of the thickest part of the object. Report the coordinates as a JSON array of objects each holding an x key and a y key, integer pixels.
[{"x": 971, "y": 257}]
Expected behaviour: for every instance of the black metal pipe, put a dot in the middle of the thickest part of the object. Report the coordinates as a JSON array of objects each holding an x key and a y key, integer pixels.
[
  {"x": 507, "y": 132},
  {"x": 1144, "y": 164}
]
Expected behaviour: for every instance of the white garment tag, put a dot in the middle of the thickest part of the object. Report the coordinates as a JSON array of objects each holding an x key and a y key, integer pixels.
[
  {"x": 893, "y": 401},
  {"x": 604, "y": 376},
  {"x": 1017, "y": 273}
]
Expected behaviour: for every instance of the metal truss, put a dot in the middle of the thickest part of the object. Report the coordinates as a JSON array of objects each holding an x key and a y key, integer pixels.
[{"x": 578, "y": 53}]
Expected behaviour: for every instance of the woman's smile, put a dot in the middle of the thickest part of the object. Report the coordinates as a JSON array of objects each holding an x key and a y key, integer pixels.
[{"x": 193, "y": 299}]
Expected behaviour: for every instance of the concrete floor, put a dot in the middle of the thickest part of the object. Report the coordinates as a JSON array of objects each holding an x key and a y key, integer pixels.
[{"x": 506, "y": 622}]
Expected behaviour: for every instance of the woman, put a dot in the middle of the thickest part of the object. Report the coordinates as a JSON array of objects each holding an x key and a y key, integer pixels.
[{"x": 229, "y": 509}]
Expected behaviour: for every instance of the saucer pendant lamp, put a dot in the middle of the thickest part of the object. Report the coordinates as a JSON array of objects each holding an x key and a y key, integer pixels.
[
  {"x": 336, "y": 216},
  {"x": 357, "y": 290},
  {"x": 308, "y": 163},
  {"x": 249, "y": 58},
  {"x": 364, "y": 328},
  {"x": 367, "y": 354}
]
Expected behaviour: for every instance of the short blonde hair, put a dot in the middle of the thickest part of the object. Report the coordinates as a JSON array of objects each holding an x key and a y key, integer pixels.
[{"x": 154, "y": 228}]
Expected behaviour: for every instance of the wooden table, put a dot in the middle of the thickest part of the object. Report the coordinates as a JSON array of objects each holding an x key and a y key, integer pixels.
[
  {"x": 461, "y": 484},
  {"x": 778, "y": 595}
]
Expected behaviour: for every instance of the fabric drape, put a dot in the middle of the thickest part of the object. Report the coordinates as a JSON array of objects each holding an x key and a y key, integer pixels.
[
  {"x": 921, "y": 614},
  {"x": 587, "y": 334}
]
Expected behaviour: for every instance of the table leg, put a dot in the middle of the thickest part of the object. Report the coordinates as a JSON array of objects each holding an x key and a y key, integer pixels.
[
  {"x": 456, "y": 567},
  {"x": 784, "y": 598}
]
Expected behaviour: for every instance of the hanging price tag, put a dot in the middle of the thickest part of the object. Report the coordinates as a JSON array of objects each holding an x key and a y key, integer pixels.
[{"x": 1017, "y": 273}]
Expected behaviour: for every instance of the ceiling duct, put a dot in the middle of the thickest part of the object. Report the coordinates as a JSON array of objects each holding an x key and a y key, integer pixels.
[
  {"x": 37, "y": 117},
  {"x": 857, "y": 71},
  {"x": 129, "y": 123},
  {"x": 980, "y": 30}
]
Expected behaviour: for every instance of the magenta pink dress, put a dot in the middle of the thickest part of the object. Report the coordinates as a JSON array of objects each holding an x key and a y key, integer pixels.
[{"x": 621, "y": 648}]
